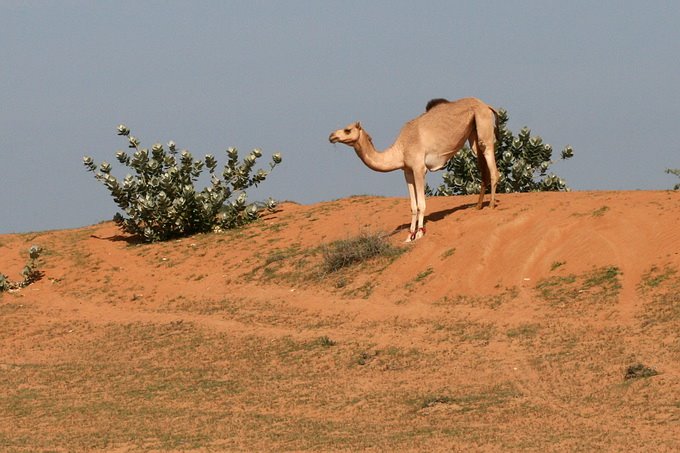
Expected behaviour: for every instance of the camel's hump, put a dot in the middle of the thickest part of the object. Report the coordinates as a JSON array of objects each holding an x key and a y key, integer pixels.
[{"x": 435, "y": 102}]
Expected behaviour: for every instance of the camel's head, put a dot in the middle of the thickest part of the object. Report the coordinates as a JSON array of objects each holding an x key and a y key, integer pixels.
[{"x": 349, "y": 135}]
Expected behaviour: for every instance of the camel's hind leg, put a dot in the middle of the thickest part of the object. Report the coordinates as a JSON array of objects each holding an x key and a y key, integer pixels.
[
  {"x": 482, "y": 166},
  {"x": 486, "y": 140}
]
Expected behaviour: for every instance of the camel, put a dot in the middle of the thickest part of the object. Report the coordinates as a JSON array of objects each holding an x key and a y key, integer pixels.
[{"x": 427, "y": 143}]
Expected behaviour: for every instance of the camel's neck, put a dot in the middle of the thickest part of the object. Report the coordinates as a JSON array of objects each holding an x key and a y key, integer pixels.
[{"x": 390, "y": 159}]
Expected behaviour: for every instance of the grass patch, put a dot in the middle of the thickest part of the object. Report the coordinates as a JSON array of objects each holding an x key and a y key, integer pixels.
[
  {"x": 660, "y": 287},
  {"x": 423, "y": 275},
  {"x": 297, "y": 266},
  {"x": 600, "y": 211},
  {"x": 280, "y": 255},
  {"x": 289, "y": 264},
  {"x": 556, "y": 265},
  {"x": 492, "y": 301},
  {"x": 482, "y": 401},
  {"x": 601, "y": 285},
  {"x": 606, "y": 277},
  {"x": 364, "y": 291},
  {"x": 524, "y": 331},
  {"x": 655, "y": 277},
  {"x": 419, "y": 278},
  {"x": 326, "y": 342},
  {"x": 448, "y": 253},
  {"x": 464, "y": 332}
]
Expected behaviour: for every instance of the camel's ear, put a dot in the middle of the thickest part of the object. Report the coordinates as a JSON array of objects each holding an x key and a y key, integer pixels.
[{"x": 357, "y": 125}]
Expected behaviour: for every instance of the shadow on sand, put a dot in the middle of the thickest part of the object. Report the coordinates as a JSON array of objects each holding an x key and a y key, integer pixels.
[{"x": 439, "y": 215}]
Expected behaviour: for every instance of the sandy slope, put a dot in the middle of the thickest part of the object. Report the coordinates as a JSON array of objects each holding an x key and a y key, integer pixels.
[{"x": 467, "y": 290}]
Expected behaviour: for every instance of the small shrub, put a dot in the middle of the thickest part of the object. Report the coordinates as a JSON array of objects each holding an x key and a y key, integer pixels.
[
  {"x": 160, "y": 201},
  {"x": 326, "y": 342},
  {"x": 30, "y": 272},
  {"x": 365, "y": 357},
  {"x": 340, "y": 254},
  {"x": 639, "y": 371}
]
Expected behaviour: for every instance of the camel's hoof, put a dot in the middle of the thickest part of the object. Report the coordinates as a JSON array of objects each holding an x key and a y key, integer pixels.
[{"x": 416, "y": 235}]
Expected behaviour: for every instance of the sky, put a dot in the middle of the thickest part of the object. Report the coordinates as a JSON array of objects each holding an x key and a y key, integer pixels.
[{"x": 600, "y": 76}]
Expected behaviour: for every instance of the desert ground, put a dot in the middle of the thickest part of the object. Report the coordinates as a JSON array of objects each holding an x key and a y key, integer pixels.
[{"x": 551, "y": 323}]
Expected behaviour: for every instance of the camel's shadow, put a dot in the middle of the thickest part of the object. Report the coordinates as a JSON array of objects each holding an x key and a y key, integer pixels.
[{"x": 438, "y": 215}]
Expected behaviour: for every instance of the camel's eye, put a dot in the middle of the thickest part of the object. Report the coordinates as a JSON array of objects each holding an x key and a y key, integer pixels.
[{"x": 347, "y": 131}]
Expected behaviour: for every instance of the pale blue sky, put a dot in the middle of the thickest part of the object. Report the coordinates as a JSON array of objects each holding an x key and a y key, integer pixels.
[{"x": 600, "y": 76}]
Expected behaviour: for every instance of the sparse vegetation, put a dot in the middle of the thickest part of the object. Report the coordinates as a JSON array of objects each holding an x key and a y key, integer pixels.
[
  {"x": 419, "y": 279},
  {"x": 202, "y": 353},
  {"x": 473, "y": 402},
  {"x": 423, "y": 275},
  {"x": 655, "y": 277},
  {"x": 160, "y": 201},
  {"x": 364, "y": 291},
  {"x": 493, "y": 302},
  {"x": 30, "y": 272},
  {"x": 433, "y": 400},
  {"x": 524, "y": 331},
  {"x": 448, "y": 253},
  {"x": 600, "y": 211},
  {"x": 660, "y": 287},
  {"x": 556, "y": 264},
  {"x": 600, "y": 285}
]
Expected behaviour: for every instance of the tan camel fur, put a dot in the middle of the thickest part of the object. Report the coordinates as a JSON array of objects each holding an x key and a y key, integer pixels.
[{"x": 427, "y": 143}]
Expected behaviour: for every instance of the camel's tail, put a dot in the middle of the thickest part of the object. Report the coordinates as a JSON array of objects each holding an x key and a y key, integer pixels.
[{"x": 496, "y": 129}]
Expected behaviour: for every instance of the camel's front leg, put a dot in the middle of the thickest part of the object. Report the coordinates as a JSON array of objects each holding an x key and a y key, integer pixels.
[
  {"x": 419, "y": 180},
  {"x": 416, "y": 191},
  {"x": 410, "y": 182}
]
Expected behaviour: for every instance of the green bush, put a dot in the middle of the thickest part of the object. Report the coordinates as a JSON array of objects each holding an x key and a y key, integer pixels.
[
  {"x": 676, "y": 172},
  {"x": 30, "y": 273},
  {"x": 160, "y": 201},
  {"x": 522, "y": 161}
]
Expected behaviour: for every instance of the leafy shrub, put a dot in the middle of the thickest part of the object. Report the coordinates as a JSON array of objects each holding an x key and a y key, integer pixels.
[
  {"x": 160, "y": 200},
  {"x": 676, "y": 172},
  {"x": 30, "y": 272},
  {"x": 522, "y": 161}
]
